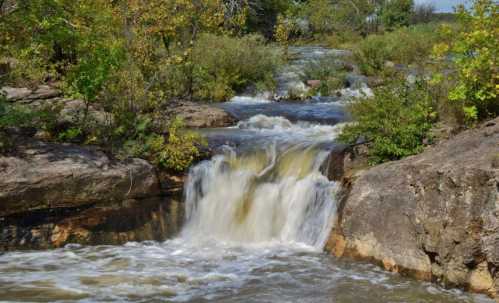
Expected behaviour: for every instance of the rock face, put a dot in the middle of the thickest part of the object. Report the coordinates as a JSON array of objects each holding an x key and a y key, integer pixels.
[
  {"x": 433, "y": 216},
  {"x": 52, "y": 194}
]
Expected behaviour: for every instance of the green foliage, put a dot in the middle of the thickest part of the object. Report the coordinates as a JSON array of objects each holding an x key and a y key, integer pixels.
[
  {"x": 372, "y": 53},
  {"x": 262, "y": 16},
  {"x": 395, "y": 122},
  {"x": 47, "y": 38},
  {"x": 330, "y": 72},
  {"x": 13, "y": 116},
  {"x": 174, "y": 152},
  {"x": 69, "y": 135},
  {"x": 321, "y": 15},
  {"x": 476, "y": 57},
  {"x": 128, "y": 59},
  {"x": 396, "y": 13},
  {"x": 344, "y": 20},
  {"x": 411, "y": 45},
  {"x": 224, "y": 65},
  {"x": 21, "y": 117},
  {"x": 88, "y": 78},
  {"x": 180, "y": 149}
]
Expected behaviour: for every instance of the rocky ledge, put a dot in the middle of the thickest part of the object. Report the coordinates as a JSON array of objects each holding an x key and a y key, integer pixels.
[
  {"x": 54, "y": 194},
  {"x": 194, "y": 115},
  {"x": 433, "y": 216}
]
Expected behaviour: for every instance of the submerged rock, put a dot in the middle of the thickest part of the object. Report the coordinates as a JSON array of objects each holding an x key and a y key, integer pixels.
[
  {"x": 53, "y": 194},
  {"x": 434, "y": 216}
]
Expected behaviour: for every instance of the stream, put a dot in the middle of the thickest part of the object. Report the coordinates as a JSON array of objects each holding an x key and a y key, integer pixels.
[{"x": 258, "y": 215}]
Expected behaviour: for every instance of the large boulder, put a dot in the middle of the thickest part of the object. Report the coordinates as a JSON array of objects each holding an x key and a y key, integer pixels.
[
  {"x": 47, "y": 97},
  {"x": 434, "y": 216},
  {"x": 53, "y": 194},
  {"x": 27, "y": 95},
  {"x": 196, "y": 115}
]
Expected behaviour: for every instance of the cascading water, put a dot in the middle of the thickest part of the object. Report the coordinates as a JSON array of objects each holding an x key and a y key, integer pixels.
[
  {"x": 263, "y": 196},
  {"x": 258, "y": 214}
]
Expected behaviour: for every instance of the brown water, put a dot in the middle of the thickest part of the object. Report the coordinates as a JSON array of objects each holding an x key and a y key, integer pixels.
[{"x": 209, "y": 271}]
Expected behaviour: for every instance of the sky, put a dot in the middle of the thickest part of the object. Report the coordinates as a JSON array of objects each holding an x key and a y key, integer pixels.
[{"x": 444, "y": 5}]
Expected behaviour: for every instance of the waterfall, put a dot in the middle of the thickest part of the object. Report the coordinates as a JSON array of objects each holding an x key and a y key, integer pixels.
[{"x": 262, "y": 195}]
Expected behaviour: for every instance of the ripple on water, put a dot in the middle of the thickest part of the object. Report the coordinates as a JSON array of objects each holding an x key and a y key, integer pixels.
[{"x": 206, "y": 272}]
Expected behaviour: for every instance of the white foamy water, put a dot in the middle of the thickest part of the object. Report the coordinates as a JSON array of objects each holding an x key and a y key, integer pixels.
[
  {"x": 264, "y": 196},
  {"x": 284, "y": 128},
  {"x": 250, "y": 100},
  {"x": 207, "y": 271}
]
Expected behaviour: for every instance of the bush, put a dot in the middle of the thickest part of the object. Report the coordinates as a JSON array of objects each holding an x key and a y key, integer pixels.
[
  {"x": 175, "y": 151},
  {"x": 224, "y": 65},
  {"x": 21, "y": 117},
  {"x": 394, "y": 123},
  {"x": 412, "y": 45},
  {"x": 330, "y": 71},
  {"x": 396, "y": 13},
  {"x": 476, "y": 58}
]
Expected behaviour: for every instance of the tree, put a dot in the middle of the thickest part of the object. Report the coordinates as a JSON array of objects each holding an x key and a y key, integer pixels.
[
  {"x": 396, "y": 13},
  {"x": 262, "y": 15},
  {"x": 423, "y": 13},
  {"x": 320, "y": 14},
  {"x": 476, "y": 56}
]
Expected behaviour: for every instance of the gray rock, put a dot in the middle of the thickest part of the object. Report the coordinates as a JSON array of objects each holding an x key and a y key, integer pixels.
[
  {"x": 195, "y": 115},
  {"x": 356, "y": 81},
  {"x": 53, "y": 194},
  {"x": 53, "y": 175},
  {"x": 74, "y": 110},
  {"x": 44, "y": 92},
  {"x": 26, "y": 95},
  {"x": 15, "y": 94},
  {"x": 434, "y": 216}
]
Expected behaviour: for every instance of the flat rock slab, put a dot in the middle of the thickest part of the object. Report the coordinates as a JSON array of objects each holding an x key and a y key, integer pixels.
[
  {"x": 26, "y": 95},
  {"x": 46, "y": 176}
]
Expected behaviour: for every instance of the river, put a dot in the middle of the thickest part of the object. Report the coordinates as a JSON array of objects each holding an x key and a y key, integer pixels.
[{"x": 258, "y": 215}]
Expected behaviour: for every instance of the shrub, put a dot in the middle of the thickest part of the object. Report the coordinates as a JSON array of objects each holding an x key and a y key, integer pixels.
[
  {"x": 394, "y": 123},
  {"x": 329, "y": 70},
  {"x": 396, "y": 13},
  {"x": 476, "y": 57},
  {"x": 224, "y": 65},
  {"x": 175, "y": 151},
  {"x": 412, "y": 45},
  {"x": 321, "y": 15},
  {"x": 18, "y": 116}
]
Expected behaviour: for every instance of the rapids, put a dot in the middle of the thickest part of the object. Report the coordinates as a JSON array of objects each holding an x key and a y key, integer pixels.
[{"x": 258, "y": 215}]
